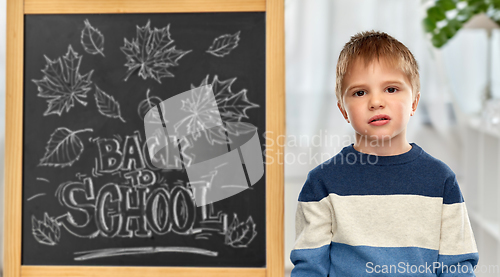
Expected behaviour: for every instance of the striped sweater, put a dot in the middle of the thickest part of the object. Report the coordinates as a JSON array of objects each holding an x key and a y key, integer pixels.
[{"x": 367, "y": 215}]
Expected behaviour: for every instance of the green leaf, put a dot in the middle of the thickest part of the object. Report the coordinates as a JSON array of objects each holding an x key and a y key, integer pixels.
[
  {"x": 455, "y": 24},
  {"x": 465, "y": 14},
  {"x": 474, "y": 2},
  {"x": 496, "y": 4},
  {"x": 477, "y": 6},
  {"x": 429, "y": 25},
  {"x": 446, "y": 5},
  {"x": 481, "y": 8},
  {"x": 448, "y": 31},
  {"x": 436, "y": 13},
  {"x": 439, "y": 39}
]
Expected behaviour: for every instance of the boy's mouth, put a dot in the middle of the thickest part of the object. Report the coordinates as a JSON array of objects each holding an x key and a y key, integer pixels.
[{"x": 379, "y": 117}]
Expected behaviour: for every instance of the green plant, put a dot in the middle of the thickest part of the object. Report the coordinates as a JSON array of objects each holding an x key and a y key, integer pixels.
[{"x": 445, "y": 17}]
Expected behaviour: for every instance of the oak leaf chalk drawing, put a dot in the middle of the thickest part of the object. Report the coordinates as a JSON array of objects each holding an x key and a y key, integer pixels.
[
  {"x": 107, "y": 105},
  {"x": 46, "y": 231},
  {"x": 231, "y": 107},
  {"x": 92, "y": 40},
  {"x": 240, "y": 234},
  {"x": 63, "y": 148},
  {"x": 63, "y": 84},
  {"x": 151, "y": 53},
  {"x": 224, "y": 44}
]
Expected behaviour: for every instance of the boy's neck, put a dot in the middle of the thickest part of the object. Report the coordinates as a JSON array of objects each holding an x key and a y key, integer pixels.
[{"x": 382, "y": 148}]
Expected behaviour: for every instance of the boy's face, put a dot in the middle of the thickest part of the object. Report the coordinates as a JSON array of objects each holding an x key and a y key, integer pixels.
[{"x": 377, "y": 90}]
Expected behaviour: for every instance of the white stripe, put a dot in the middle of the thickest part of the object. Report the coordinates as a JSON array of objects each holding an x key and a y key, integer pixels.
[
  {"x": 388, "y": 220},
  {"x": 456, "y": 233},
  {"x": 313, "y": 224},
  {"x": 385, "y": 221}
]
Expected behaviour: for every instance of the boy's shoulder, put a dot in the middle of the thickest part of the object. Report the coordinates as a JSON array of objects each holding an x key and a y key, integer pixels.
[
  {"x": 338, "y": 174},
  {"x": 416, "y": 158}
]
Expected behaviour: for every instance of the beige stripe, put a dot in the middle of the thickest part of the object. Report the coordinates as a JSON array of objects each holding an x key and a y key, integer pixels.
[
  {"x": 456, "y": 233},
  {"x": 313, "y": 224},
  {"x": 388, "y": 220},
  {"x": 385, "y": 221}
]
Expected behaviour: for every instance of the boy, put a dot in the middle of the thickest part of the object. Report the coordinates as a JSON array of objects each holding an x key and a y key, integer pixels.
[{"x": 381, "y": 206}]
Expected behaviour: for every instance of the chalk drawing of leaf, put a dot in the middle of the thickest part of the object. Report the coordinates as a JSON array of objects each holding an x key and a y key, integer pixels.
[
  {"x": 151, "y": 53},
  {"x": 224, "y": 44},
  {"x": 234, "y": 108},
  {"x": 63, "y": 148},
  {"x": 63, "y": 84},
  {"x": 230, "y": 106},
  {"x": 203, "y": 113},
  {"x": 147, "y": 104},
  {"x": 237, "y": 128},
  {"x": 107, "y": 105},
  {"x": 92, "y": 40},
  {"x": 240, "y": 235},
  {"x": 46, "y": 231}
]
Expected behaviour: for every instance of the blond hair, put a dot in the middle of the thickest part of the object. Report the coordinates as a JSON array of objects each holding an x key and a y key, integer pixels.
[{"x": 370, "y": 45}]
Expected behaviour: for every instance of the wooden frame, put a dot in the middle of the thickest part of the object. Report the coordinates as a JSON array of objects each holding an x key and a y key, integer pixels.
[{"x": 275, "y": 122}]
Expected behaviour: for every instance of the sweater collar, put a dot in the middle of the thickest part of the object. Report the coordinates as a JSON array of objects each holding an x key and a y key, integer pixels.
[{"x": 353, "y": 156}]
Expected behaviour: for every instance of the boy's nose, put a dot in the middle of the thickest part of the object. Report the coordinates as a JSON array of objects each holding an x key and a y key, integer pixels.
[{"x": 376, "y": 102}]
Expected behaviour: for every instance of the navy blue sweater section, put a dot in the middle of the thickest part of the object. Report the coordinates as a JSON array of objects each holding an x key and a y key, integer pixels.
[{"x": 351, "y": 172}]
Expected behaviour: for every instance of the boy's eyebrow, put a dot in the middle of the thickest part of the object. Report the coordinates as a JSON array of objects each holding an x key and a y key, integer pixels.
[
  {"x": 384, "y": 84},
  {"x": 393, "y": 82},
  {"x": 353, "y": 87}
]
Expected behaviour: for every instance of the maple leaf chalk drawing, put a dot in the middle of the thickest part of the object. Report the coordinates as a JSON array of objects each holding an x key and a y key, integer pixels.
[
  {"x": 224, "y": 44},
  {"x": 202, "y": 115},
  {"x": 47, "y": 231},
  {"x": 92, "y": 40},
  {"x": 107, "y": 105},
  {"x": 231, "y": 107},
  {"x": 63, "y": 84},
  {"x": 151, "y": 53},
  {"x": 63, "y": 148}
]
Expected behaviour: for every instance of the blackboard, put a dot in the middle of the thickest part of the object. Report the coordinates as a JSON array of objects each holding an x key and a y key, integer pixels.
[{"x": 89, "y": 80}]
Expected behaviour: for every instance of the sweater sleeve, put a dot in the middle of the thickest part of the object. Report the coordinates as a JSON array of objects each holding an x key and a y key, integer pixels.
[
  {"x": 313, "y": 226},
  {"x": 457, "y": 247}
]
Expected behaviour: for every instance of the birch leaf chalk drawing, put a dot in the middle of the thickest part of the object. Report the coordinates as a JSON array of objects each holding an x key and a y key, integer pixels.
[
  {"x": 92, "y": 40},
  {"x": 63, "y": 84},
  {"x": 107, "y": 105},
  {"x": 224, "y": 44},
  {"x": 63, "y": 148}
]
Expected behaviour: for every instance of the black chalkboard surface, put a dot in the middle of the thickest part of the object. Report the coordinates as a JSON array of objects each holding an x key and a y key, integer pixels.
[{"x": 91, "y": 195}]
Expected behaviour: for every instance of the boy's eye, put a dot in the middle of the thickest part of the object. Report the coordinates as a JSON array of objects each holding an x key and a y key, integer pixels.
[
  {"x": 359, "y": 93},
  {"x": 392, "y": 90}
]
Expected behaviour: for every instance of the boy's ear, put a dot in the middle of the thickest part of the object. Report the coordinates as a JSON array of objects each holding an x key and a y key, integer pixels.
[
  {"x": 344, "y": 113},
  {"x": 415, "y": 104}
]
